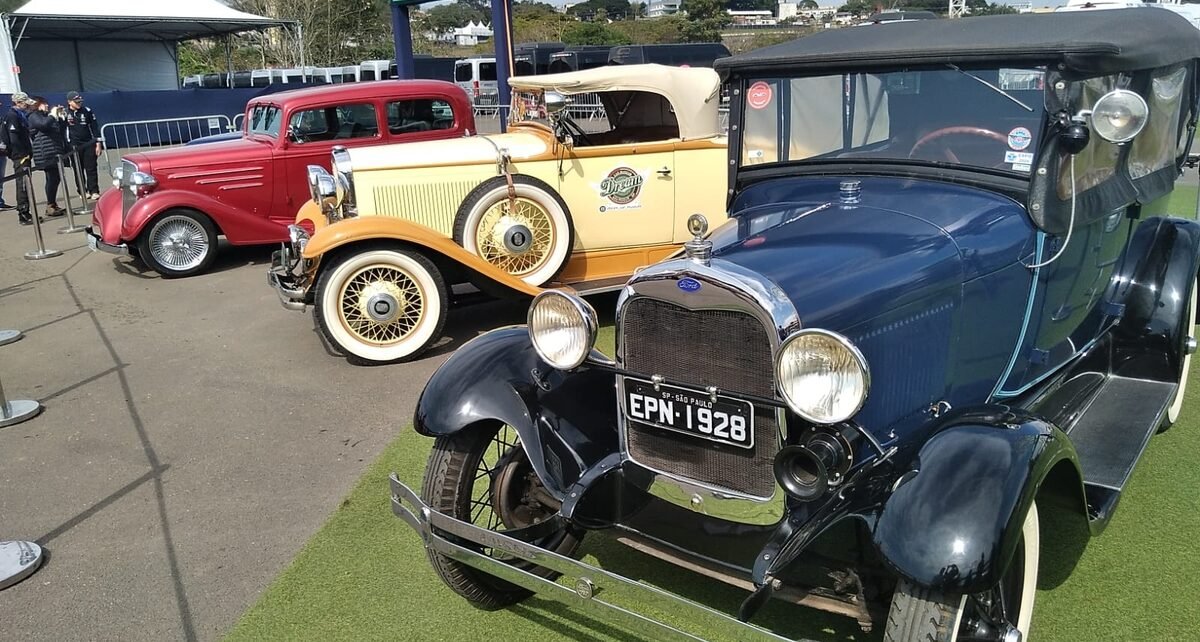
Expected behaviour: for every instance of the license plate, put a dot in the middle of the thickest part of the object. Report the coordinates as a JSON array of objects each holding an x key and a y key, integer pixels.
[
  {"x": 724, "y": 420},
  {"x": 91, "y": 242}
]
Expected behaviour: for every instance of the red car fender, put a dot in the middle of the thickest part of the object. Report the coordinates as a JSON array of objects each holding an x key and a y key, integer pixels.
[{"x": 238, "y": 226}]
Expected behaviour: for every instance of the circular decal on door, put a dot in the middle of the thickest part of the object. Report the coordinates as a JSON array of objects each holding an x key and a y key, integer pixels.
[
  {"x": 1019, "y": 138},
  {"x": 759, "y": 95},
  {"x": 622, "y": 186}
]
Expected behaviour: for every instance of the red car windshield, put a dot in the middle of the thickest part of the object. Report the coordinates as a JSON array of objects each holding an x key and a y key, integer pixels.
[{"x": 266, "y": 119}]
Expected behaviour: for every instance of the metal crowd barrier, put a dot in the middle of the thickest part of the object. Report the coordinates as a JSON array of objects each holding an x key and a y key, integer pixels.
[
  {"x": 236, "y": 123},
  {"x": 162, "y": 132},
  {"x": 41, "y": 252},
  {"x": 71, "y": 211},
  {"x": 18, "y": 559}
]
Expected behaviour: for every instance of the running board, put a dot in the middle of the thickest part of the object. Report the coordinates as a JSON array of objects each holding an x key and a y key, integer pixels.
[{"x": 1112, "y": 433}]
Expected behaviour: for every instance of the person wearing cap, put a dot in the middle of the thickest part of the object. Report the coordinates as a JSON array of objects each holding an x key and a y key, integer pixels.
[
  {"x": 83, "y": 135},
  {"x": 18, "y": 146},
  {"x": 49, "y": 142}
]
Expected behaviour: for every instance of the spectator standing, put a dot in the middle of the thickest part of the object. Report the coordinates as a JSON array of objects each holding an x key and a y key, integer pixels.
[
  {"x": 83, "y": 134},
  {"x": 49, "y": 129},
  {"x": 14, "y": 135}
]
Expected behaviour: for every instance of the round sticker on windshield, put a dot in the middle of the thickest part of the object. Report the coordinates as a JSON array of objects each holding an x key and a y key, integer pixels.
[
  {"x": 759, "y": 95},
  {"x": 1019, "y": 138}
]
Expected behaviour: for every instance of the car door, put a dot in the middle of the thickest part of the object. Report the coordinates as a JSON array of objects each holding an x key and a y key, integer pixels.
[
  {"x": 310, "y": 135},
  {"x": 620, "y": 195}
]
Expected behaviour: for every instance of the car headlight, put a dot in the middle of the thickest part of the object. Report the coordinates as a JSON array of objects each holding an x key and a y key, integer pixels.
[
  {"x": 822, "y": 376},
  {"x": 323, "y": 190},
  {"x": 117, "y": 175},
  {"x": 563, "y": 328}
]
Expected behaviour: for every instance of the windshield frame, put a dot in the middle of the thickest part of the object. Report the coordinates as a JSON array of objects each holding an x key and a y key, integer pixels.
[{"x": 824, "y": 163}]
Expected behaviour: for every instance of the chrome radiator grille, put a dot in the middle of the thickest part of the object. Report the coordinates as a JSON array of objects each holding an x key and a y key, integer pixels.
[
  {"x": 127, "y": 196},
  {"x": 701, "y": 348}
]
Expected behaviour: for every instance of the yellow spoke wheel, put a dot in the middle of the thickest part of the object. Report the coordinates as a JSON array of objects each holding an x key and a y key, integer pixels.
[
  {"x": 381, "y": 305},
  {"x": 523, "y": 231}
]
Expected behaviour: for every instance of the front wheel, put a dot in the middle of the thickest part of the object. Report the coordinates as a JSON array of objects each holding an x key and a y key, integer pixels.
[
  {"x": 381, "y": 305},
  {"x": 1189, "y": 318},
  {"x": 178, "y": 243},
  {"x": 482, "y": 475},
  {"x": 935, "y": 616}
]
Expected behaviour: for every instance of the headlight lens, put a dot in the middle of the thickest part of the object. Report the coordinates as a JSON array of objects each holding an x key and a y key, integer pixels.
[
  {"x": 323, "y": 189},
  {"x": 344, "y": 177},
  {"x": 822, "y": 376},
  {"x": 563, "y": 328},
  {"x": 117, "y": 175}
]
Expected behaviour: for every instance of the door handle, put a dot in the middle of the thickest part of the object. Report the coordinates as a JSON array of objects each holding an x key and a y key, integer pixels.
[{"x": 665, "y": 171}]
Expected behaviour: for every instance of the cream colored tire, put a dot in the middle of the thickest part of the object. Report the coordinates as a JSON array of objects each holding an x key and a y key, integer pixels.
[
  {"x": 486, "y": 228},
  {"x": 381, "y": 305},
  {"x": 1189, "y": 330},
  {"x": 935, "y": 616}
]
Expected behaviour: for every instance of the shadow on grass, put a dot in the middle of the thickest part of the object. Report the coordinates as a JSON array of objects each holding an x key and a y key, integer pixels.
[{"x": 1064, "y": 537}]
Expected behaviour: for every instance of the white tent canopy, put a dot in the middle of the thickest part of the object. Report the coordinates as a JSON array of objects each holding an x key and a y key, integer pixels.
[
  {"x": 171, "y": 20},
  {"x": 92, "y": 45}
]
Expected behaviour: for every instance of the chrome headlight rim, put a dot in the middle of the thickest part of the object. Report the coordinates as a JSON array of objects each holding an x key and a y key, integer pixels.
[
  {"x": 323, "y": 188},
  {"x": 142, "y": 179},
  {"x": 844, "y": 343},
  {"x": 118, "y": 174},
  {"x": 344, "y": 179},
  {"x": 588, "y": 320}
]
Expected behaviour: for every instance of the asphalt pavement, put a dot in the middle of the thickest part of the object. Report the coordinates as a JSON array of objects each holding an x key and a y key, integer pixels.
[{"x": 195, "y": 435}]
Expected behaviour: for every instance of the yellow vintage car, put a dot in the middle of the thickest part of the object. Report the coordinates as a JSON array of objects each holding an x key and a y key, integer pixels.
[{"x": 595, "y": 178}]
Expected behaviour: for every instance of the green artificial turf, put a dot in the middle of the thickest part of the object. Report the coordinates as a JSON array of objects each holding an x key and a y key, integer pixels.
[{"x": 364, "y": 575}]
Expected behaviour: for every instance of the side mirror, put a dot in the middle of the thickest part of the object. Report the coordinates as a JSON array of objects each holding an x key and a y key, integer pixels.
[
  {"x": 293, "y": 134},
  {"x": 556, "y": 103}
]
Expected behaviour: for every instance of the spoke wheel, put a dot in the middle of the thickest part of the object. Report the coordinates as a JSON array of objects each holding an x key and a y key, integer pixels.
[
  {"x": 179, "y": 243},
  {"x": 996, "y": 615},
  {"x": 516, "y": 236},
  {"x": 381, "y": 305},
  {"x": 482, "y": 475},
  {"x": 526, "y": 234}
]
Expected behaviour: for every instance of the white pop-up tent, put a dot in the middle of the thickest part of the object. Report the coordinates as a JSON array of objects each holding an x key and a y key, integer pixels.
[{"x": 59, "y": 45}]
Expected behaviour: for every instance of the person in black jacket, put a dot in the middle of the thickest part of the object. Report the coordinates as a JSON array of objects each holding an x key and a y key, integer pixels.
[
  {"x": 83, "y": 133},
  {"x": 18, "y": 146},
  {"x": 49, "y": 142}
]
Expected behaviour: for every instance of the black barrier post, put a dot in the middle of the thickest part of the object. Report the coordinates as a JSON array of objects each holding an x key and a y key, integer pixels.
[
  {"x": 41, "y": 252},
  {"x": 18, "y": 559},
  {"x": 71, "y": 226}
]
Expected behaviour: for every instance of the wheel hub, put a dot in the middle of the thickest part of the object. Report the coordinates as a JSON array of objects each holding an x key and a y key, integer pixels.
[
  {"x": 515, "y": 496},
  {"x": 381, "y": 301},
  {"x": 513, "y": 235}
]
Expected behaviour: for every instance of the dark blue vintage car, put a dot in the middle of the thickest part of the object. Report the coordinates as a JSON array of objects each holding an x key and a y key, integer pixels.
[{"x": 949, "y": 292}]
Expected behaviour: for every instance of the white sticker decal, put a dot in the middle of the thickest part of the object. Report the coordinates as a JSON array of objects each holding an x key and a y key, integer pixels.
[
  {"x": 1019, "y": 138},
  {"x": 755, "y": 154},
  {"x": 1021, "y": 167},
  {"x": 1025, "y": 158}
]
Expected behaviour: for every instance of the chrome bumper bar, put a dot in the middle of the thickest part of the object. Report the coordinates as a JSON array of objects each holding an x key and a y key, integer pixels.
[
  {"x": 588, "y": 588},
  {"x": 291, "y": 289},
  {"x": 96, "y": 243}
]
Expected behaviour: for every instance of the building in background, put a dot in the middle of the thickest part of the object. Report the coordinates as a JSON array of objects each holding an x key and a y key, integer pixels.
[{"x": 659, "y": 8}]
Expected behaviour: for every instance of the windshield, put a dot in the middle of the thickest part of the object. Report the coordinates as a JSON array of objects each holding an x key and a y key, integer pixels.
[
  {"x": 265, "y": 119},
  {"x": 987, "y": 118}
]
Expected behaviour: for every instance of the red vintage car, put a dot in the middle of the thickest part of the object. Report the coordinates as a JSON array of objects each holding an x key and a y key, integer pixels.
[{"x": 169, "y": 206}]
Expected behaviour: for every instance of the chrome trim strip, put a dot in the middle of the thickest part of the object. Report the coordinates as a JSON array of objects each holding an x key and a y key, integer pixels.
[
  {"x": 589, "y": 588},
  {"x": 725, "y": 286}
]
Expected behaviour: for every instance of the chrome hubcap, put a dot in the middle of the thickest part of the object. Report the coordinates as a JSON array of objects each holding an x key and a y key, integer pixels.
[
  {"x": 518, "y": 239},
  {"x": 1189, "y": 346},
  {"x": 382, "y": 307},
  {"x": 179, "y": 243}
]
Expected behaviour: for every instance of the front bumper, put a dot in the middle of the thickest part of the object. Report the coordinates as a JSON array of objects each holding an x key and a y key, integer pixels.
[
  {"x": 587, "y": 587},
  {"x": 96, "y": 243},
  {"x": 289, "y": 273}
]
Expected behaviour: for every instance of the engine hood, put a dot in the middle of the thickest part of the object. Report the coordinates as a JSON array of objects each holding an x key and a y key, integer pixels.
[
  {"x": 221, "y": 152},
  {"x": 843, "y": 263},
  {"x": 471, "y": 150}
]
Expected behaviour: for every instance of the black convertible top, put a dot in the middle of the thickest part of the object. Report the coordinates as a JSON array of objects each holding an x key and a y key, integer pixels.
[{"x": 1085, "y": 42}]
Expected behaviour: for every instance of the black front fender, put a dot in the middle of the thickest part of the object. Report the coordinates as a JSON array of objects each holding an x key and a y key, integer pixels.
[
  {"x": 566, "y": 420},
  {"x": 954, "y": 520}
]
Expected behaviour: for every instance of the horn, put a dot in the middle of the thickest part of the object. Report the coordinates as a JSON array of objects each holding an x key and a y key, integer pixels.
[{"x": 804, "y": 470}]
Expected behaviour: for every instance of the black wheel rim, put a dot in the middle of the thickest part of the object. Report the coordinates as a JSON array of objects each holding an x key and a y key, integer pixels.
[{"x": 988, "y": 615}]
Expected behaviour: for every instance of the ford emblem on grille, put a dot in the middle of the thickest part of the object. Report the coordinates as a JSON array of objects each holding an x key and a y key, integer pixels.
[{"x": 688, "y": 284}]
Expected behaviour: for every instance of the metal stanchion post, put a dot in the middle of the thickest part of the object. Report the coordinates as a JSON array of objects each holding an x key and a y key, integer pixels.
[
  {"x": 41, "y": 252},
  {"x": 79, "y": 180},
  {"x": 18, "y": 559},
  {"x": 71, "y": 226}
]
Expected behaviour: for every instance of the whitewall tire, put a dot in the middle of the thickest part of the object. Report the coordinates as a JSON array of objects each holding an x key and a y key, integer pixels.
[
  {"x": 1188, "y": 331},
  {"x": 381, "y": 305},
  {"x": 529, "y": 236}
]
